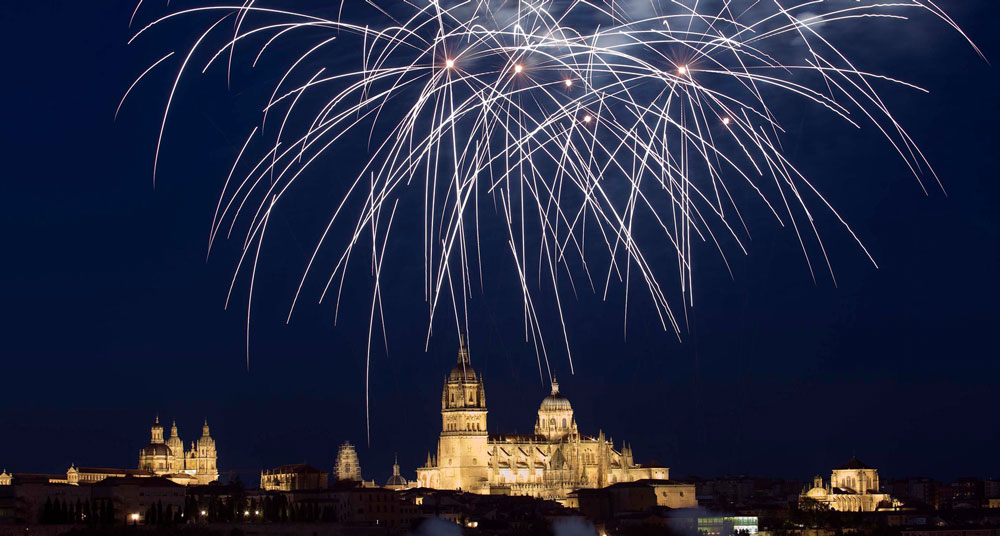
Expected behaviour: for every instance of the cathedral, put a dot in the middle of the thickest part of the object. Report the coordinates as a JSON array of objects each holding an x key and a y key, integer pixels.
[
  {"x": 167, "y": 458},
  {"x": 550, "y": 463},
  {"x": 853, "y": 487}
]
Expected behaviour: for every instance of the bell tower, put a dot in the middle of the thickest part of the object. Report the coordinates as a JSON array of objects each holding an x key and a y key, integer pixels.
[{"x": 462, "y": 454}]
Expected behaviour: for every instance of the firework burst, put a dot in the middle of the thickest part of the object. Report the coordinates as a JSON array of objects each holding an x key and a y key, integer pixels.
[{"x": 597, "y": 134}]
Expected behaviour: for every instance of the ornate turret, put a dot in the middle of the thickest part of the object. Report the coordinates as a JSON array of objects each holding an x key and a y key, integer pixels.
[{"x": 156, "y": 432}]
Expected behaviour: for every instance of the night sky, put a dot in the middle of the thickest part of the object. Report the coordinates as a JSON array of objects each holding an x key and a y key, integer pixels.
[{"x": 111, "y": 314}]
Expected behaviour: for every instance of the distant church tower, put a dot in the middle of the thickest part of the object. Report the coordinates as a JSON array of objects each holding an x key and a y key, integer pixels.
[
  {"x": 462, "y": 453},
  {"x": 347, "y": 466}
]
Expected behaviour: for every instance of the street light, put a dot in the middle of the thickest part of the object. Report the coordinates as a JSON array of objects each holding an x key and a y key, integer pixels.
[{"x": 135, "y": 518}]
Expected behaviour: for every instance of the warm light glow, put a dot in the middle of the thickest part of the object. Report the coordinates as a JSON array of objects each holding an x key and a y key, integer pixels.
[
  {"x": 246, "y": 512},
  {"x": 518, "y": 68},
  {"x": 682, "y": 70},
  {"x": 569, "y": 83},
  {"x": 725, "y": 120},
  {"x": 203, "y": 512},
  {"x": 135, "y": 517},
  {"x": 587, "y": 118},
  {"x": 256, "y": 512},
  {"x": 450, "y": 63}
]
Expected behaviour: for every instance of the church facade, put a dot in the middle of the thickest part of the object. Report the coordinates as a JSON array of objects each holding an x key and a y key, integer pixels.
[
  {"x": 168, "y": 458},
  {"x": 853, "y": 487},
  {"x": 550, "y": 463}
]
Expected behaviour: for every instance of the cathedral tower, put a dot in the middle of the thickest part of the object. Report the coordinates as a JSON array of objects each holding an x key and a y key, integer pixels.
[
  {"x": 201, "y": 460},
  {"x": 176, "y": 450},
  {"x": 347, "y": 467},
  {"x": 462, "y": 451}
]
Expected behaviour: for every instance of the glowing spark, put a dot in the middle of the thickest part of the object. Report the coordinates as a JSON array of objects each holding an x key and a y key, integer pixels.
[{"x": 565, "y": 197}]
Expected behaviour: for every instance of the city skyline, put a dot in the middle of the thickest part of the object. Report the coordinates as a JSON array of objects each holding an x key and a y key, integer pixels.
[{"x": 112, "y": 314}]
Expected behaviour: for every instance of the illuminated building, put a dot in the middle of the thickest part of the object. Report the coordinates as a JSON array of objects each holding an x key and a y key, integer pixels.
[
  {"x": 853, "y": 487},
  {"x": 347, "y": 467},
  {"x": 727, "y": 525},
  {"x": 550, "y": 463},
  {"x": 167, "y": 458},
  {"x": 293, "y": 477}
]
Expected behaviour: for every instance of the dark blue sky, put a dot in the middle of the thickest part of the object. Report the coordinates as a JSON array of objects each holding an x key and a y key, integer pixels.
[{"x": 110, "y": 313}]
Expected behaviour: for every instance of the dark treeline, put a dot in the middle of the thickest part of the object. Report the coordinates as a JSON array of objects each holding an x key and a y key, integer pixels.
[{"x": 93, "y": 511}]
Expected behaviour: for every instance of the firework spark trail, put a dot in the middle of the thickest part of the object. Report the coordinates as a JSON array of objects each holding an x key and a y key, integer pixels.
[{"x": 571, "y": 118}]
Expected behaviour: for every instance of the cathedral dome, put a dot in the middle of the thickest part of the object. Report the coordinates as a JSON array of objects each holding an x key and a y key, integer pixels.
[
  {"x": 156, "y": 449},
  {"x": 555, "y": 401},
  {"x": 462, "y": 371}
]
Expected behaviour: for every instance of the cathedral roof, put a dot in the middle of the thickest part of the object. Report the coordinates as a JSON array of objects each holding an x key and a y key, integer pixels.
[
  {"x": 462, "y": 369},
  {"x": 555, "y": 401},
  {"x": 299, "y": 468},
  {"x": 156, "y": 449},
  {"x": 854, "y": 463}
]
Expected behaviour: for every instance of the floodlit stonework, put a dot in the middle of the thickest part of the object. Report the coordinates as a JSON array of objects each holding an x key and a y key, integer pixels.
[
  {"x": 550, "y": 463},
  {"x": 347, "y": 467},
  {"x": 853, "y": 487},
  {"x": 167, "y": 458}
]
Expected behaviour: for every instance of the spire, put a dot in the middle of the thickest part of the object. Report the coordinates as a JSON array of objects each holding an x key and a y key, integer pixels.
[
  {"x": 204, "y": 428},
  {"x": 395, "y": 465},
  {"x": 463, "y": 354},
  {"x": 555, "y": 386}
]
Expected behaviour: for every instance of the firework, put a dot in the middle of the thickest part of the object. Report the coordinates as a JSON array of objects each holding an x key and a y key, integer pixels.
[{"x": 597, "y": 134}]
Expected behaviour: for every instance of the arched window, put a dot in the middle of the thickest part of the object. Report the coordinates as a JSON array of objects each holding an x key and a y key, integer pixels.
[
  {"x": 552, "y": 424},
  {"x": 564, "y": 422}
]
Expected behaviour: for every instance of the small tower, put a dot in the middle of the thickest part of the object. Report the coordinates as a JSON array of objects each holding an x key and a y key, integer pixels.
[
  {"x": 156, "y": 432},
  {"x": 347, "y": 467},
  {"x": 396, "y": 481},
  {"x": 176, "y": 450}
]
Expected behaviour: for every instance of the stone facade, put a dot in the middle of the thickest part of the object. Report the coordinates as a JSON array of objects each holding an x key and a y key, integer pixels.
[
  {"x": 293, "y": 477},
  {"x": 853, "y": 487},
  {"x": 550, "y": 463},
  {"x": 167, "y": 457},
  {"x": 347, "y": 467}
]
